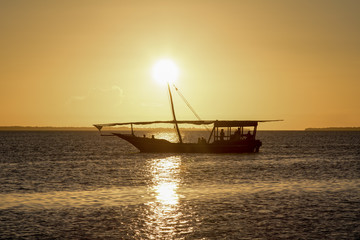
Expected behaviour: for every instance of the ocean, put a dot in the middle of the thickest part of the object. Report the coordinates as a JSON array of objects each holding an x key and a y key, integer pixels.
[{"x": 78, "y": 185}]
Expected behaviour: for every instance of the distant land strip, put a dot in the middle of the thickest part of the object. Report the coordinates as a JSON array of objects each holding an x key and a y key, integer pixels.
[
  {"x": 334, "y": 129},
  {"x": 49, "y": 128}
]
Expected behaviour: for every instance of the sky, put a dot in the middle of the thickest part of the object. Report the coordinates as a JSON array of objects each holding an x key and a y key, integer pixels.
[{"x": 76, "y": 63}]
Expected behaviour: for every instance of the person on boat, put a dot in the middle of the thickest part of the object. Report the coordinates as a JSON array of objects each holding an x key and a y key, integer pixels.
[
  {"x": 201, "y": 140},
  {"x": 222, "y": 134},
  {"x": 237, "y": 134},
  {"x": 248, "y": 136}
]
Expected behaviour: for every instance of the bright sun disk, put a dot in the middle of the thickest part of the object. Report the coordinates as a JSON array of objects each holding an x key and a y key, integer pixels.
[{"x": 165, "y": 71}]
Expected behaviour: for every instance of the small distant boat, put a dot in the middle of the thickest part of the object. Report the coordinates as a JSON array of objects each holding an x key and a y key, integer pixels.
[{"x": 223, "y": 138}]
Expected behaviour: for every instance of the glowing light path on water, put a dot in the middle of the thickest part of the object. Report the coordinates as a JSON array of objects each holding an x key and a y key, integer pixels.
[{"x": 165, "y": 211}]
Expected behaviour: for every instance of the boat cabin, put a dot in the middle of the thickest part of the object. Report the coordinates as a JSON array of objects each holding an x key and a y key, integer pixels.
[{"x": 233, "y": 131}]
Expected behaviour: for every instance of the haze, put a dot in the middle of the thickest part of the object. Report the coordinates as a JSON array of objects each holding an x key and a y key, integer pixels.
[{"x": 75, "y": 63}]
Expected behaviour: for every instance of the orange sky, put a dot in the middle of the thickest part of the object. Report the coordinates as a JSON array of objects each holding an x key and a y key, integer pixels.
[{"x": 75, "y": 63}]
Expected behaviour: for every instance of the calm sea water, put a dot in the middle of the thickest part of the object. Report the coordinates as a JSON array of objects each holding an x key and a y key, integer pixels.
[{"x": 77, "y": 185}]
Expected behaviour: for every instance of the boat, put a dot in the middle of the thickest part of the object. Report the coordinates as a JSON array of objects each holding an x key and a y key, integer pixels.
[{"x": 226, "y": 136}]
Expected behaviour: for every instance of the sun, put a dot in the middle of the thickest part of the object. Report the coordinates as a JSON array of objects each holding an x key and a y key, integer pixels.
[{"x": 165, "y": 71}]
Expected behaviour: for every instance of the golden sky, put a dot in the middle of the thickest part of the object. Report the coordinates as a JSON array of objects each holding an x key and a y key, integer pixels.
[{"x": 75, "y": 63}]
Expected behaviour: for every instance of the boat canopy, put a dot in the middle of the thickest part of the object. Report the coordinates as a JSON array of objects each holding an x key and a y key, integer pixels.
[
  {"x": 216, "y": 123},
  {"x": 235, "y": 123}
]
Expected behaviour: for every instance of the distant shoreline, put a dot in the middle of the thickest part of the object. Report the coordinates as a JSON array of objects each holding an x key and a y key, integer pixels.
[
  {"x": 48, "y": 128},
  {"x": 352, "y": 129}
]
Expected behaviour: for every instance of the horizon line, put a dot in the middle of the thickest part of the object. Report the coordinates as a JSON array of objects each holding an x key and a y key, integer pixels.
[{"x": 91, "y": 128}]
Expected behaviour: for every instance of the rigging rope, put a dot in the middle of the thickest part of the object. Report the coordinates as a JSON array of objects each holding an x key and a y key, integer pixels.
[{"x": 189, "y": 106}]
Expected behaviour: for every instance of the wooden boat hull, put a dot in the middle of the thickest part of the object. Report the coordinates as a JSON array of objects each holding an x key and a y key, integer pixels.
[{"x": 152, "y": 145}]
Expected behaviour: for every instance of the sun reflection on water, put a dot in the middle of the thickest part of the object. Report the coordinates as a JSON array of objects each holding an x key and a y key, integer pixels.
[
  {"x": 166, "y": 193},
  {"x": 169, "y": 136},
  {"x": 164, "y": 212}
]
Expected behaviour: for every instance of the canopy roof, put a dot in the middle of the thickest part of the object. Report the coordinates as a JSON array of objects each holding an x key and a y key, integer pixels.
[
  {"x": 225, "y": 123},
  {"x": 235, "y": 123}
]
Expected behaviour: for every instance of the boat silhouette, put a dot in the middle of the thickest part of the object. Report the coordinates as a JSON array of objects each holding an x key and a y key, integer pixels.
[{"x": 222, "y": 139}]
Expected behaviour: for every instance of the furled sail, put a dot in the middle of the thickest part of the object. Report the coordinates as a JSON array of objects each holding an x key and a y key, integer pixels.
[{"x": 218, "y": 123}]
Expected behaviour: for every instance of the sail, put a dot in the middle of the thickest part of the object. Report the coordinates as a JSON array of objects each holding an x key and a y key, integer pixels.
[{"x": 217, "y": 123}]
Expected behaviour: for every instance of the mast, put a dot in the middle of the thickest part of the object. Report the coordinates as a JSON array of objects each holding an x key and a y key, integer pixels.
[{"x": 173, "y": 113}]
